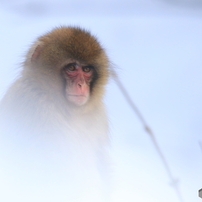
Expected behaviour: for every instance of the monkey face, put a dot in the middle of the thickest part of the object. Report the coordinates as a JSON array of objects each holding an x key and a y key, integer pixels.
[{"x": 78, "y": 79}]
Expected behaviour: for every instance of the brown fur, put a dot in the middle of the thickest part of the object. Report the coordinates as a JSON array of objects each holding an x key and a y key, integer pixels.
[{"x": 66, "y": 43}]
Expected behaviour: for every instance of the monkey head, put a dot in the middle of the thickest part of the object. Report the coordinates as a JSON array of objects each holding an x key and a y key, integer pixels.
[{"x": 71, "y": 61}]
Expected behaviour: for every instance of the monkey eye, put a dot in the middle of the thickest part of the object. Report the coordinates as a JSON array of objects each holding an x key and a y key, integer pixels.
[
  {"x": 70, "y": 67},
  {"x": 87, "y": 69}
]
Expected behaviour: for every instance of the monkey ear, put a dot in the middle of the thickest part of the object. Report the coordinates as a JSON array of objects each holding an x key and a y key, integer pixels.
[{"x": 36, "y": 53}]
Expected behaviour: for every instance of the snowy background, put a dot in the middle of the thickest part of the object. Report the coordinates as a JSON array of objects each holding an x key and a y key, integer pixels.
[{"x": 156, "y": 47}]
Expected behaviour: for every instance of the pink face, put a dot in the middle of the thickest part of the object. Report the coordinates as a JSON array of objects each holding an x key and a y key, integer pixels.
[{"x": 78, "y": 78}]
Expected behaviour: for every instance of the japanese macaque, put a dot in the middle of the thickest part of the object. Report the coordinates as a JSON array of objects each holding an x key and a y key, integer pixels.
[{"x": 53, "y": 123}]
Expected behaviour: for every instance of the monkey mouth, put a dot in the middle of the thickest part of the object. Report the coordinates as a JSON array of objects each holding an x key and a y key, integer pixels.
[
  {"x": 76, "y": 95},
  {"x": 77, "y": 100}
]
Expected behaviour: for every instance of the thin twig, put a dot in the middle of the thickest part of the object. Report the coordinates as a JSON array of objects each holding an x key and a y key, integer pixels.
[
  {"x": 200, "y": 144},
  {"x": 174, "y": 182}
]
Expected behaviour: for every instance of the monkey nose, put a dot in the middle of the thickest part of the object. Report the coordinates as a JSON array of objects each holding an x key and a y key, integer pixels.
[{"x": 80, "y": 84}]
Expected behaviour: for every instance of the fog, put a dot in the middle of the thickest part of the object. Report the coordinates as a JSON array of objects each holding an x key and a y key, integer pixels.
[{"x": 155, "y": 47}]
